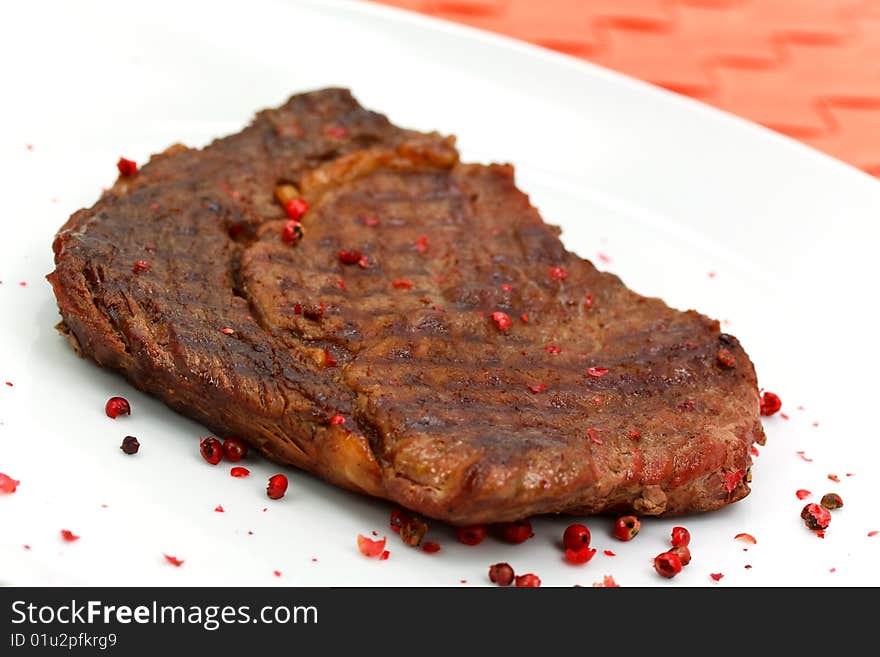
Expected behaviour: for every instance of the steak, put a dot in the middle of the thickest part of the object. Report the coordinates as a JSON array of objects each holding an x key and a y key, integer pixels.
[{"x": 429, "y": 340}]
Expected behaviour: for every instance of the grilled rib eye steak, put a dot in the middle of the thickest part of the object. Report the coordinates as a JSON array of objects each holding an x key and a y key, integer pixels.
[{"x": 429, "y": 340}]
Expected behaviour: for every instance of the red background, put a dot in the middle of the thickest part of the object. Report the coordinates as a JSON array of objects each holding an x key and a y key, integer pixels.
[{"x": 809, "y": 69}]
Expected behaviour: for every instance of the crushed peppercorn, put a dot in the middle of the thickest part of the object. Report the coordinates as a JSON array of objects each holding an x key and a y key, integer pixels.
[
  {"x": 815, "y": 516},
  {"x": 770, "y": 403},
  {"x": 127, "y": 168},
  {"x": 831, "y": 501}
]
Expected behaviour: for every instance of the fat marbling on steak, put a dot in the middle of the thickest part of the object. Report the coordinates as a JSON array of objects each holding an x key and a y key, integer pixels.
[{"x": 455, "y": 358}]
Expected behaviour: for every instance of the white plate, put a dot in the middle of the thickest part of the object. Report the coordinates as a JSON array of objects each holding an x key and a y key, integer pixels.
[{"x": 669, "y": 189}]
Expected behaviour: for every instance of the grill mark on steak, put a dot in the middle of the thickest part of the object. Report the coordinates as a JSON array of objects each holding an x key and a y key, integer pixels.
[{"x": 439, "y": 415}]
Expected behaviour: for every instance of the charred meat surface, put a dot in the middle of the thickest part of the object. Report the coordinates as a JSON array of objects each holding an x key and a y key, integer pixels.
[{"x": 428, "y": 340}]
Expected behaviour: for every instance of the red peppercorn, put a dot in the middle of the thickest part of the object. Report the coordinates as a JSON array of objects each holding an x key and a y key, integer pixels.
[
  {"x": 816, "y": 516},
  {"x": 8, "y": 484},
  {"x": 211, "y": 449},
  {"x": 518, "y": 531},
  {"x": 558, "y": 273},
  {"x": 626, "y": 528},
  {"x": 292, "y": 232},
  {"x": 141, "y": 265},
  {"x": 471, "y": 535},
  {"x": 576, "y": 537},
  {"x": 683, "y": 552},
  {"x": 295, "y": 208},
  {"x": 370, "y": 548},
  {"x": 680, "y": 536},
  {"x": 399, "y": 518},
  {"x": 127, "y": 168},
  {"x": 239, "y": 472},
  {"x": 580, "y": 556},
  {"x": 349, "y": 257},
  {"x": 277, "y": 486},
  {"x": 667, "y": 564},
  {"x": 69, "y": 536},
  {"x": 234, "y": 449},
  {"x": 401, "y": 284},
  {"x": 528, "y": 581},
  {"x": 596, "y": 372},
  {"x": 337, "y": 419},
  {"x": 501, "y": 574},
  {"x": 770, "y": 403},
  {"x": 117, "y": 406},
  {"x": 430, "y": 547},
  {"x": 501, "y": 319}
]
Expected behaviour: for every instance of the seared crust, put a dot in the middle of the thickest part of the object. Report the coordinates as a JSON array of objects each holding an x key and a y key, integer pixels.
[{"x": 444, "y": 412}]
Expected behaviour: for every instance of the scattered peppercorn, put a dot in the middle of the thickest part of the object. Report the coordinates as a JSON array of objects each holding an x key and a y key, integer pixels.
[
  {"x": 117, "y": 406},
  {"x": 398, "y": 518},
  {"x": 69, "y": 536},
  {"x": 680, "y": 536},
  {"x": 576, "y": 537},
  {"x": 770, "y": 403},
  {"x": 471, "y": 535},
  {"x": 174, "y": 561},
  {"x": 292, "y": 232},
  {"x": 8, "y": 484},
  {"x": 337, "y": 419},
  {"x": 831, "y": 501},
  {"x": 130, "y": 445},
  {"x": 211, "y": 450},
  {"x": 277, "y": 486},
  {"x": 579, "y": 556},
  {"x": 430, "y": 547},
  {"x": 239, "y": 472},
  {"x": 413, "y": 530},
  {"x": 234, "y": 449},
  {"x": 501, "y": 319},
  {"x": 350, "y": 257},
  {"x": 667, "y": 564},
  {"x": 683, "y": 552},
  {"x": 528, "y": 580},
  {"x": 370, "y": 548},
  {"x": 558, "y": 273},
  {"x": 596, "y": 372},
  {"x": 748, "y": 538},
  {"x": 501, "y": 574},
  {"x": 816, "y": 516},
  {"x": 127, "y": 168},
  {"x": 517, "y": 531},
  {"x": 626, "y": 528},
  {"x": 295, "y": 208},
  {"x": 141, "y": 265}
]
